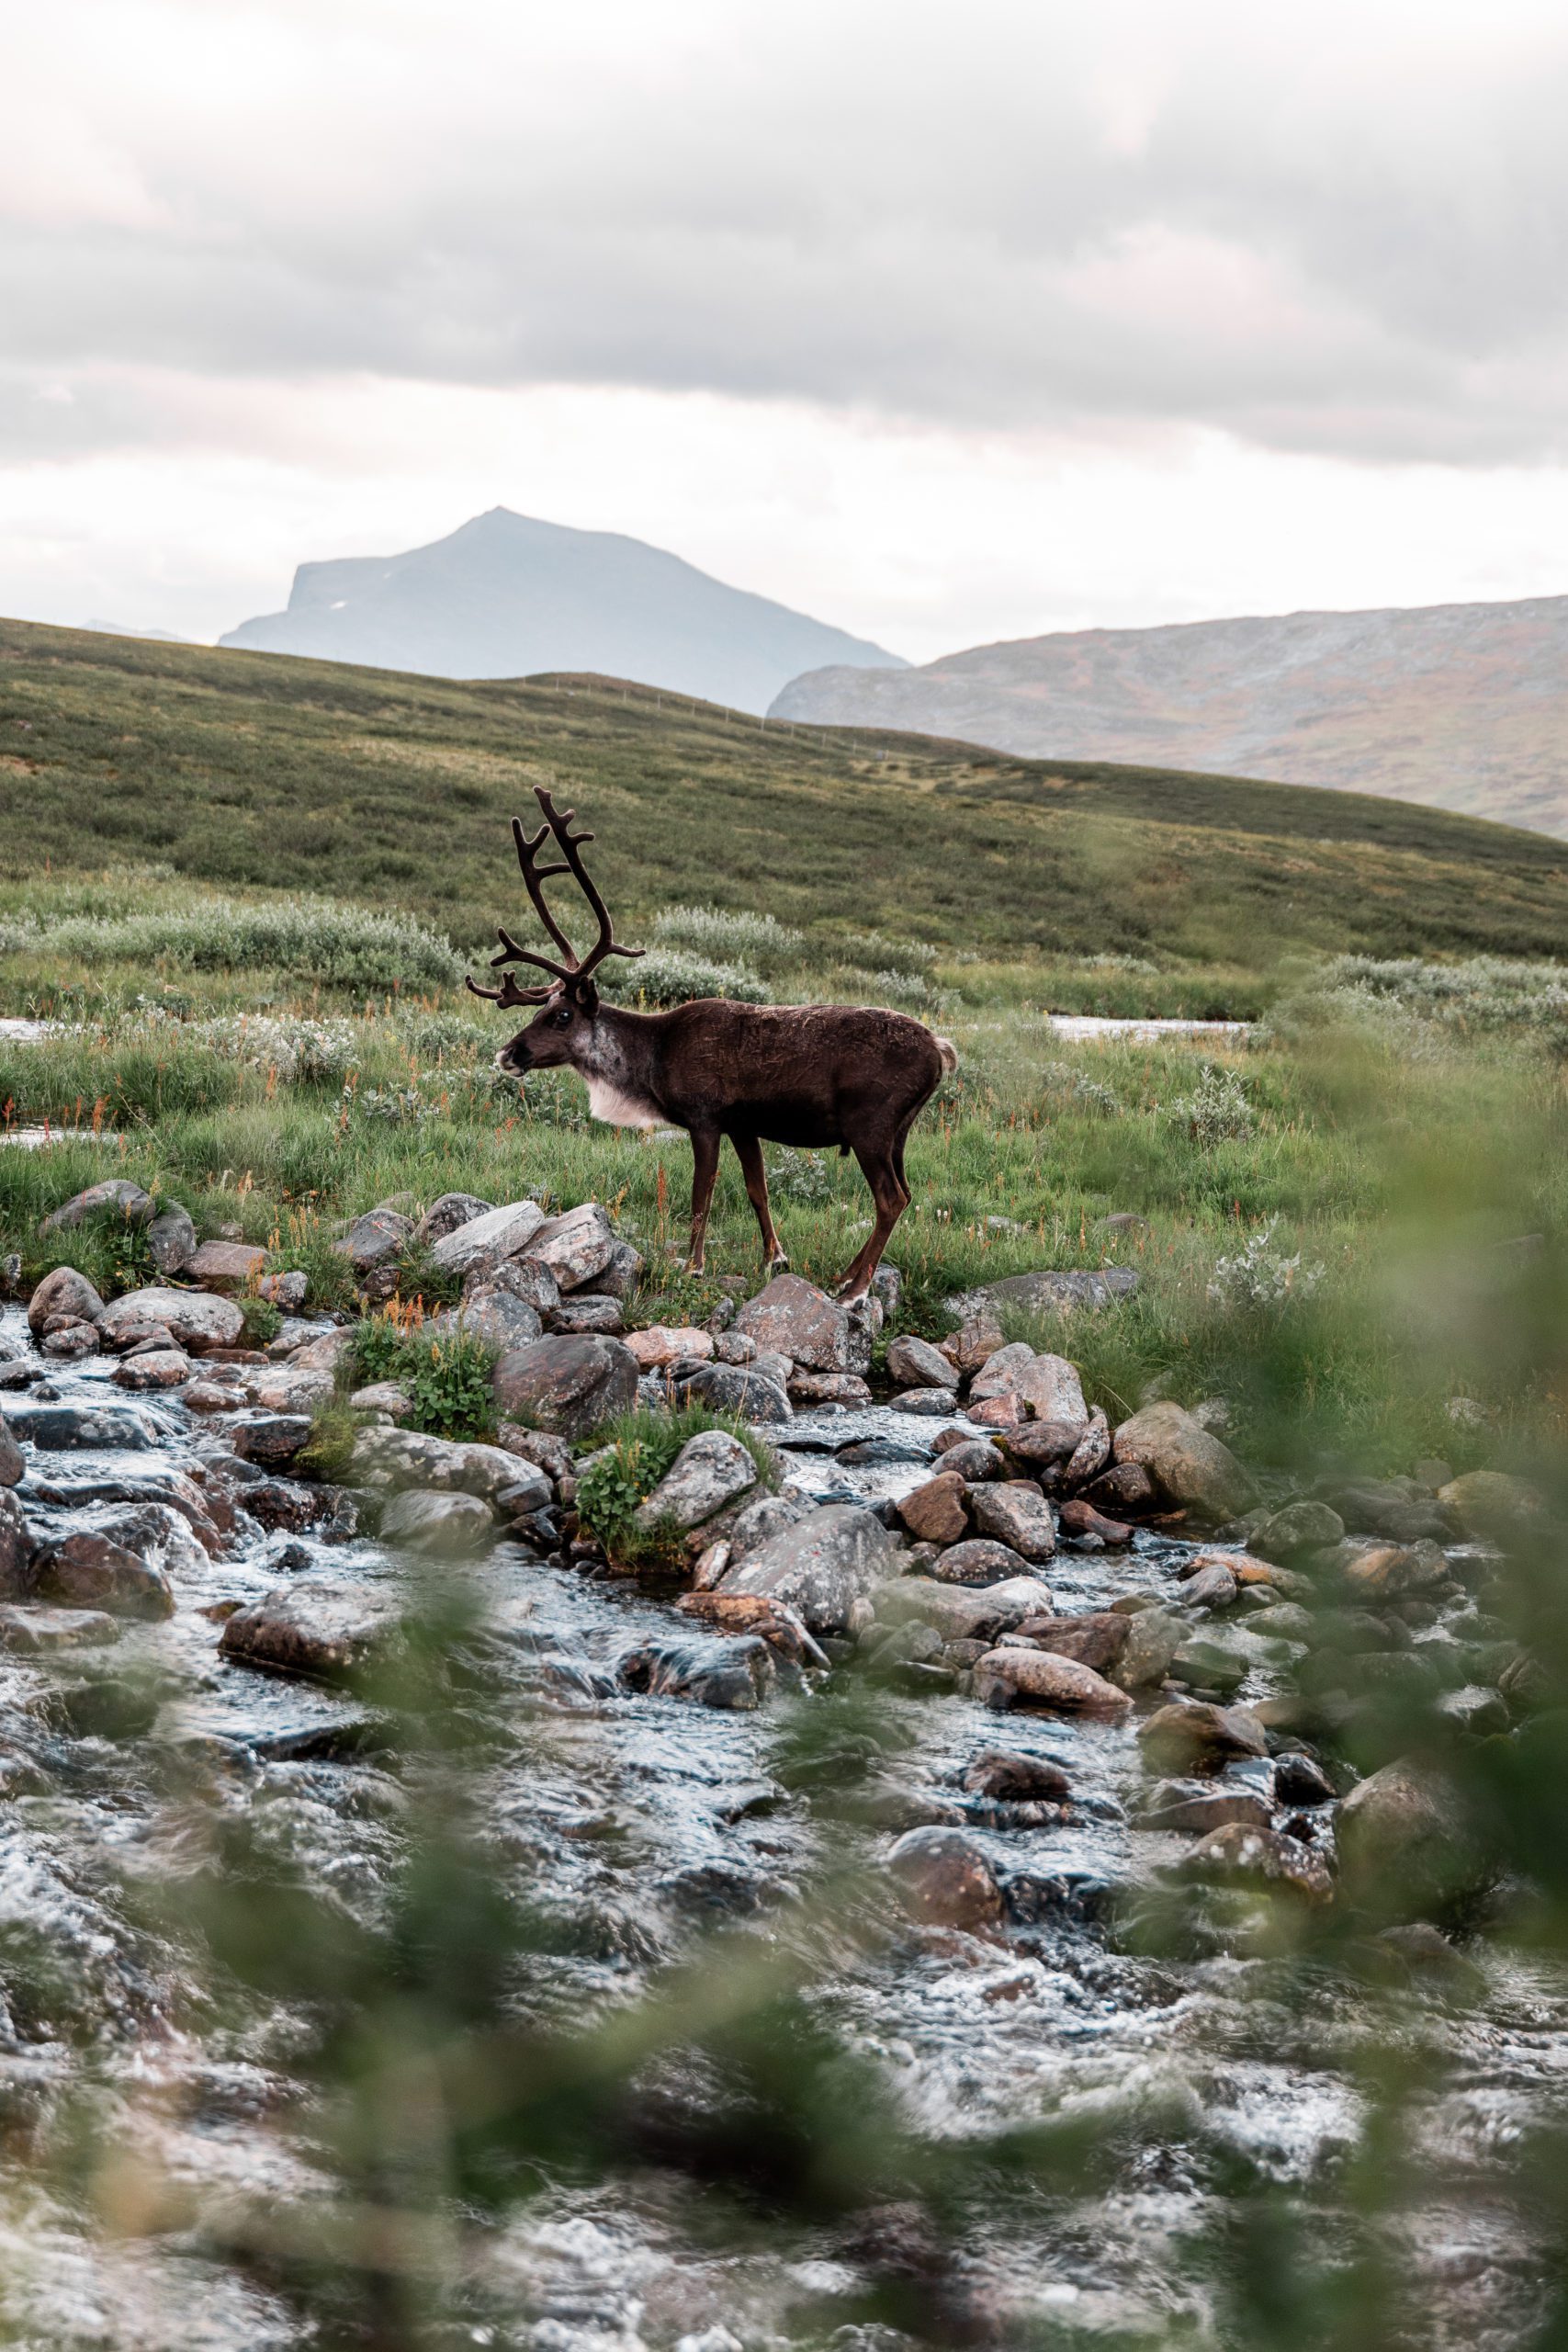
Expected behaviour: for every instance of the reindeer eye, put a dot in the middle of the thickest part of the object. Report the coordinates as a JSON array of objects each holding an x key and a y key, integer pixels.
[{"x": 561, "y": 1018}]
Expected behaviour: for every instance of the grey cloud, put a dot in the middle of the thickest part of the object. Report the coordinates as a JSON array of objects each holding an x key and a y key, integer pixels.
[{"x": 939, "y": 237}]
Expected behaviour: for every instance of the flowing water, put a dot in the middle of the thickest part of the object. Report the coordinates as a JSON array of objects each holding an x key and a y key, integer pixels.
[{"x": 641, "y": 1823}]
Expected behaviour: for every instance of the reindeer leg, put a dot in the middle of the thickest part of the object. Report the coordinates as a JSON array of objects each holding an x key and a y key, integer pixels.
[
  {"x": 748, "y": 1152},
  {"x": 891, "y": 1198},
  {"x": 704, "y": 1169}
]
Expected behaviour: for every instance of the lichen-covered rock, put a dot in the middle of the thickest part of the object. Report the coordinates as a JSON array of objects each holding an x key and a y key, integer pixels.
[
  {"x": 821, "y": 1565},
  {"x": 588, "y": 1311},
  {"x": 153, "y": 1368},
  {"x": 966, "y": 1612},
  {"x": 488, "y": 1239},
  {"x": 1187, "y": 1462},
  {"x": 1194, "y": 1732},
  {"x": 711, "y": 1471},
  {"x": 937, "y": 1513},
  {"x": 171, "y": 1239},
  {"x": 1044, "y": 1679},
  {"x": 406, "y": 1458},
  {"x": 226, "y": 1266},
  {"x": 576, "y": 1245},
  {"x": 385, "y": 1396},
  {"x": 915, "y": 1363},
  {"x": 665, "y": 1343},
  {"x": 1046, "y": 1387},
  {"x": 978, "y": 1561},
  {"x": 196, "y": 1319},
  {"x": 802, "y": 1323},
  {"x": 1299, "y": 1529},
  {"x": 13, "y": 1464},
  {"x": 568, "y": 1385},
  {"x": 446, "y": 1214},
  {"x": 491, "y": 1315},
  {"x": 40, "y": 1632},
  {"x": 620, "y": 1274},
  {"x": 732, "y": 1388},
  {"x": 291, "y": 1387},
  {"x": 64, "y": 1293},
  {"x": 810, "y": 1388},
  {"x": 1016, "y": 1513},
  {"x": 116, "y": 1197},
  {"x": 521, "y": 1278},
  {"x": 68, "y": 1342}
]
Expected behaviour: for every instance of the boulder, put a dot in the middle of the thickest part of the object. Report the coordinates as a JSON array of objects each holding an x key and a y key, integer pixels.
[
  {"x": 402, "y": 1459},
  {"x": 934, "y": 1404},
  {"x": 1245, "y": 1853},
  {"x": 1126, "y": 1489},
  {"x": 446, "y": 1526},
  {"x": 749, "y": 1613},
  {"x": 1016, "y": 1513},
  {"x": 758, "y": 1522},
  {"x": 286, "y": 1292},
  {"x": 116, "y": 1197},
  {"x": 576, "y": 1246},
  {"x": 966, "y": 1612},
  {"x": 521, "y": 1278},
  {"x": 588, "y": 1311},
  {"x": 383, "y": 1396},
  {"x": 226, "y": 1266},
  {"x": 1040, "y": 1445},
  {"x": 566, "y": 1384},
  {"x": 664, "y": 1343},
  {"x": 808, "y": 1388},
  {"x": 1078, "y": 1518},
  {"x": 733, "y": 1672},
  {"x": 1055, "y": 1292},
  {"x": 270, "y": 1437},
  {"x": 621, "y": 1273},
  {"x": 1187, "y": 1462},
  {"x": 1097, "y": 1638},
  {"x": 13, "y": 1466},
  {"x": 153, "y": 1368},
  {"x": 821, "y": 1565},
  {"x": 1406, "y": 1846},
  {"x": 288, "y": 1388},
  {"x": 64, "y": 1293},
  {"x": 1021, "y": 1677},
  {"x": 1299, "y": 1529},
  {"x": 979, "y": 1561},
  {"x": 309, "y": 1628},
  {"x": 915, "y": 1363},
  {"x": 546, "y": 1452},
  {"x": 945, "y": 1880},
  {"x": 1201, "y": 1805},
  {"x": 446, "y": 1214},
  {"x": 734, "y": 1388},
  {"x": 711, "y": 1471},
  {"x": 976, "y": 1341},
  {"x": 42, "y": 1632},
  {"x": 493, "y": 1315},
  {"x": 936, "y": 1512},
  {"x": 196, "y": 1319},
  {"x": 15, "y": 1548},
  {"x": 72, "y": 1428},
  {"x": 171, "y": 1239},
  {"x": 1009, "y": 1778},
  {"x": 1193, "y": 1732},
  {"x": 802, "y": 1323},
  {"x": 1490, "y": 1504},
  {"x": 488, "y": 1239},
  {"x": 68, "y": 1342},
  {"x": 1047, "y": 1386},
  {"x": 87, "y": 1571}
]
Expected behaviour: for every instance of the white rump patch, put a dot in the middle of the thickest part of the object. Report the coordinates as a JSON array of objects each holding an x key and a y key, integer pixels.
[{"x": 607, "y": 1102}]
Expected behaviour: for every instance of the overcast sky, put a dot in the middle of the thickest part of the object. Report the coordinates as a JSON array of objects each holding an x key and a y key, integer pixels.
[{"x": 942, "y": 323}]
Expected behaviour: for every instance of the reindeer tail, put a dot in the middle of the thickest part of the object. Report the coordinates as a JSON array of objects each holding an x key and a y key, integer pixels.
[{"x": 948, "y": 1051}]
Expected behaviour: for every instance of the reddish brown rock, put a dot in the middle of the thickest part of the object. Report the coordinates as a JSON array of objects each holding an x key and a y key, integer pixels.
[
  {"x": 1031, "y": 1677},
  {"x": 1097, "y": 1638},
  {"x": 1078, "y": 1517},
  {"x": 935, "y": 1512},
  {"x": 945, "y": 1880}
]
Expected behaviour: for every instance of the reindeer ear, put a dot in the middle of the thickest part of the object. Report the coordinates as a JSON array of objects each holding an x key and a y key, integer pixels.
[{"x": 583, "y": 994}]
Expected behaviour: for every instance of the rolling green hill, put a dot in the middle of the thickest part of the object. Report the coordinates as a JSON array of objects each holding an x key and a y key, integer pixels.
[{"x": 266, "y": 770}]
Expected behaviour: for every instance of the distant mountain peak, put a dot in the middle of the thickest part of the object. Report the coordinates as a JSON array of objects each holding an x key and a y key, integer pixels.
[{"x": 509, "y": 595}]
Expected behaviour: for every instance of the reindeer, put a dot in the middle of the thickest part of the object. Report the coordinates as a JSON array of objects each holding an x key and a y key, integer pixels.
[{"x": 811, "y": 1074}]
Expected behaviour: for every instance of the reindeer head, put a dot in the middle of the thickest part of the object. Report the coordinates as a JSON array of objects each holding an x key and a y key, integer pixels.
[{"x": 562, "y": 1031}]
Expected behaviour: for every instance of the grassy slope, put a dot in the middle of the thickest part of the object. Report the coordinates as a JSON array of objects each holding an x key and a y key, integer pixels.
[{"x": 255, "y": 768}]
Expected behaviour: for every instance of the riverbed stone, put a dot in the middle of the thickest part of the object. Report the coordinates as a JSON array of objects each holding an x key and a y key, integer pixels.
[
  {"x": 196, "y": 1319},
  {"x": 293, "y": 1387},
  {"x": 945, "y": 1880},
  {"x": 172, "y": 1239},
  {"x": 153, "y": 1368},
  {"x": 490, "y": 1238},
  {"x": 1046, "y": 1387},
  {"x": 68, "y": 1342},
  {"x": 1152, "y": 1645},
  {"x": 88, "y": 1571},
  {"x": 1210, "y": 1587},
  {"x": 443, "y": 1525},
  {"x": 588, "y": 1311},
  {"x": 1493, "y": 1504},
  {"x": 821, "y": 1565},
  {"x": 1245, "y": 1853},
  {"x": 733, "y": 1672},
  {"x": 1096, "y": 1637},
  {"x": 576, "y": 1245},
  {"x": 1187, "y": 1462},
  {"x": 406, "y": 1458},
  {"x": 445, "y": 1215},
  {"x": 666, "y": 1344},
  {"x": 1202, "y": 1806},
  {"x": 568, "y": 1385},
  {"x": 750, "y": 1612},
  {"x": 711, "y": 1471},
  {"x": 311, "y": 1628},
  {"x": 41, "y": 1631},
  {"x": 58, "y": 1428},
  {"x": 974, "y": 1460},
  {"x": 1405, "y": 1843},
  {"x": 117, "y": 1196},
  {"x": 979, "y": 1560},
  {"x": 732, "y": 1388},
  {"x": 1297, "y": 1531},
  {"x": 270, "y": 1437},
  {"x": 1076, "y": 1518},
  {"x": 1016, "y": 1513},
  {"x": 931, "y": 1404},
  {"x": 1040, "y": 1445},
  {"x": 936, "y": 1512},
  {"x": 13, "y": 1464},
  {"x": 226, "y": 1266},
  {"x": 15, "y": 1548},
  {"x": 1125, "y": 1490},
  {"x": 966, "y": 1612},
  {"x": 915, "y": 1363},
  {"x": 493, "y": 1315},
  {"x": 1011, "y": 1778},
  {"x": 1195, "y": 1731},
  {"x": 66, "y": 1293},
  {"x": 1044, "y": 1679},
  {"x": 519, "y": 1278}
]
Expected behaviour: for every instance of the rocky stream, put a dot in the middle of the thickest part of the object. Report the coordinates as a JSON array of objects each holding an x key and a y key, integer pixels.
[{"x": 1077, "y": 1649}]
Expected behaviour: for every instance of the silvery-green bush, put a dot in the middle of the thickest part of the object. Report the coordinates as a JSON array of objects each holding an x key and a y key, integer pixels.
[
  {"x": 669, "y": 976},
  {"x": 1262, "y": 1275},
  {"x": 730, "y": 938},
  {"x": 310, "y": 938},
  {"x": 297, "y": 1048},
  {"x": 1217, "y": 1110}
]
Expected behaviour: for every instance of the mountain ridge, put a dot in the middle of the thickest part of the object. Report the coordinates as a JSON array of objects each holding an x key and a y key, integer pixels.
[
  {"x": 1456, "y": 706},
  {"x": 507, "y": 596}
]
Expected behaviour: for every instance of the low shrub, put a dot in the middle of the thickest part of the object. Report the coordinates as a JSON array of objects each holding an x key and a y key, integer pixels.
[
  {"x": 673, "y": 975},
  {"x": 1217, "y": 1110}
]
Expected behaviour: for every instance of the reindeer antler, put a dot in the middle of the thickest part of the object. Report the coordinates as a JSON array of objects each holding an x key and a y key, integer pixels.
[{"x": 558, "y": 824}]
